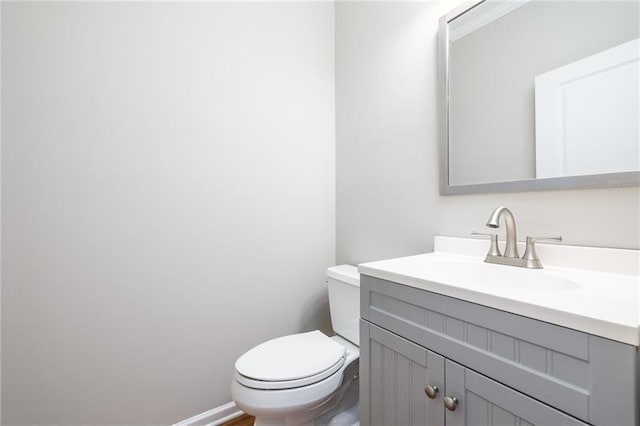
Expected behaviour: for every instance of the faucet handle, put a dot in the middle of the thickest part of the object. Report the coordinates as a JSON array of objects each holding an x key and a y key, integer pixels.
[
  {"x": 534, "y": 240},
  {"x": 530, "y": 255},
  {"x": 493, "y": 249}
]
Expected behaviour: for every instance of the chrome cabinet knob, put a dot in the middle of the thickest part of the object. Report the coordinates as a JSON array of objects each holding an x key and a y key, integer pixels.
[
  {"x": 451, "y": 402},
  {"x": 431, "y": 391}
]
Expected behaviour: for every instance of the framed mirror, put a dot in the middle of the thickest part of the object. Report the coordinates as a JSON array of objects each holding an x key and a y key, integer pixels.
[{"x": 539, "y": 95}]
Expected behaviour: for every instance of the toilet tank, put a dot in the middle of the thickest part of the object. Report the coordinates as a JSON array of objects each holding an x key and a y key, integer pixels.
[{"x": 344, "y": 301}]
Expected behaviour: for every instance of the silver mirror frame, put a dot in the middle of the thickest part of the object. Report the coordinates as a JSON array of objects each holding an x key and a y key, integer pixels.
[{"x": 608, "y": 180}]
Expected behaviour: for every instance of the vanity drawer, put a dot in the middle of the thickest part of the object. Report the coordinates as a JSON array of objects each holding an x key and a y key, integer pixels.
[{"x": 591, "y": 378}]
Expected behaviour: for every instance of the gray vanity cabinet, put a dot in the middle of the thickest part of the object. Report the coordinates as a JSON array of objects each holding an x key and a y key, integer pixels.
[
  {"x": 502, "y": 368},
  {"x": 399, "y": 371}
]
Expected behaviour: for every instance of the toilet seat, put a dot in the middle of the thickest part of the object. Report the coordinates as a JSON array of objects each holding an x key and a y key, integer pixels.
[
  {"x": 288, "y": 384},
  {"x": 290, "y": 361}
]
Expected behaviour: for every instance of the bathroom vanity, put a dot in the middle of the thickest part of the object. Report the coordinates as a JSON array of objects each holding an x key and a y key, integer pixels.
[{"x": 446, "y": 339}]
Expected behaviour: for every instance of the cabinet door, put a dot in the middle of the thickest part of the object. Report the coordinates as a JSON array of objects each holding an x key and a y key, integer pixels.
[
  {"x": 484, "y": 402},
  {"x": 394, "y": 373}
]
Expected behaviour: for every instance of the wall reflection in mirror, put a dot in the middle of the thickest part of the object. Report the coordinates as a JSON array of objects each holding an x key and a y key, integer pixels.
[{"x": 543, "y": 89}]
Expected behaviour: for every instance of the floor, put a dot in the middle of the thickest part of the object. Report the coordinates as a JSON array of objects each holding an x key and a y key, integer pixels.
[{"x": 244, "y": 420}]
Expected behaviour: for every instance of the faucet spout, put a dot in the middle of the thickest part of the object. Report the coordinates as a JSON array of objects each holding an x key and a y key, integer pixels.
[{"x": 511, "y": 250}]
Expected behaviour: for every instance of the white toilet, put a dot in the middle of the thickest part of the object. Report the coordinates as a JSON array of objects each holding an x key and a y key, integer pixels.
[{"x": 307, "y": 378}]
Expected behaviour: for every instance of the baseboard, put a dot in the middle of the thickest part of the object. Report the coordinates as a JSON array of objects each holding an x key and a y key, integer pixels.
[{"x": 213, "y": 417}]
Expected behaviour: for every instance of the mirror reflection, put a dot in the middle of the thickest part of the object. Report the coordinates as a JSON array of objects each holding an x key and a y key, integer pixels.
[{"x": 541, "y": 89}]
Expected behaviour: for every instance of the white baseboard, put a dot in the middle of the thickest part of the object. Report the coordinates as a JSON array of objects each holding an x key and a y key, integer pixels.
[{"x": 213, "y": 417}]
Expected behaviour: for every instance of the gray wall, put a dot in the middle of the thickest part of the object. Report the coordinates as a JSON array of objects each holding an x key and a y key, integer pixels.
[
  {"x": 492, "y": 80},
  {"x": 387, "y": 197},
  {"x": 167, "y": 200}
]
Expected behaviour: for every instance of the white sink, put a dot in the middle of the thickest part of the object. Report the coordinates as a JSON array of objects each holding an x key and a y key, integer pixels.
[
  {"x": 472, "y": 272},
  {"x": 588, "y": 289}
]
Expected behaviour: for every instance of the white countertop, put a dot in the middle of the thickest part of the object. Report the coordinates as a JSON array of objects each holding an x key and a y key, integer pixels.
[{"x": 592, "y": 299}]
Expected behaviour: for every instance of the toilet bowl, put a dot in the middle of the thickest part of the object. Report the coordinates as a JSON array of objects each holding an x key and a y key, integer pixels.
[{"x": 306, "y": 378}]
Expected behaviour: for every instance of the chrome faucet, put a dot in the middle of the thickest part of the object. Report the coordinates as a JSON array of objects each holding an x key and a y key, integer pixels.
[
  {"x": 511, "y": 249},
  {"x": 511, "y": 256}
]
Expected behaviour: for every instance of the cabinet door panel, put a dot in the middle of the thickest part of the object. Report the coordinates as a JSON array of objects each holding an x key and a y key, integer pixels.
[
  {"x": 483, "y": 401},
  {"x": 393, "y": 375}
]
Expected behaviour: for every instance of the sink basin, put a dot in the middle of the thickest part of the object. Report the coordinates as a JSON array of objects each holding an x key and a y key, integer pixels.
[
  {"x": 472, "y": 273},
  {"x": 595, "y": 290}
]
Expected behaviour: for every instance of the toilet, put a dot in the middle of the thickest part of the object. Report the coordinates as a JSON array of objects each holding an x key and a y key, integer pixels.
[{"x": 307, "y": 378}]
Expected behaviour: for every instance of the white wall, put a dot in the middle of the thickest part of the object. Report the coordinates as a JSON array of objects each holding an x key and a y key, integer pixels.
[
  {"x": 386, "y": 150},
  {"x": 167, "y": 200}
]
